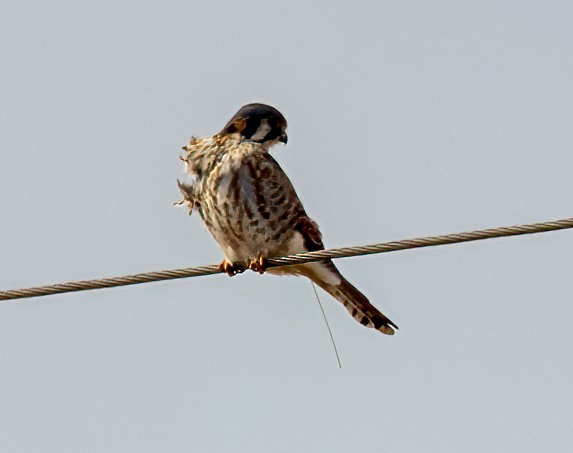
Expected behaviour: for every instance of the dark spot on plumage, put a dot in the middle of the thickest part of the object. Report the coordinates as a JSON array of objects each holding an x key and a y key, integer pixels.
[
  {"x": 220, "y": 217},
  {"x": 263, "y": 212},
  {"x": 234, "y": 187},
  {"x": 287, "y": 227},
  {"x": 217, "y": 180},
  {"x": 248, "y": 211},
  {"x": 259, "y": 197},
  {"x": 378, "y": 322},
  {"x": 273, "y": 195},
  {"x": 266, "y": 172},
  {"x": 284, "y": 216},
  {"x": 364, "y": 321},
  {"x": 354, "y": 312},
  {"x": 279, "y": 193},
  {"x": 226, "y": 209},
  {"x": 251, "y": 168},
  {"x": 278, "y": 236}
]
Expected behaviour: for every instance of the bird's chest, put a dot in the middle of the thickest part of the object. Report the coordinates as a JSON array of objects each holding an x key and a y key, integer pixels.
[
  {"x": 246, "y": 205},
  {"x": 230, "y": 205},
  {"x": 220, "y": 194}
]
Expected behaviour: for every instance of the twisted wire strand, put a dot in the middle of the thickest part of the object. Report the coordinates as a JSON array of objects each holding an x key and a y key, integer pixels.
[{"x": 343, "y": 252}]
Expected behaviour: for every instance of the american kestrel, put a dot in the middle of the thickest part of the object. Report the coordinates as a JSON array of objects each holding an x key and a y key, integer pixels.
[{"x": 252, "y": 210}]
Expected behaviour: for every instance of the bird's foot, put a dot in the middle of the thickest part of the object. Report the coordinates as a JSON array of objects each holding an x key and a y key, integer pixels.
[
  {"x": 260, "y": 264},
  {"x": 231, "y": 269}
]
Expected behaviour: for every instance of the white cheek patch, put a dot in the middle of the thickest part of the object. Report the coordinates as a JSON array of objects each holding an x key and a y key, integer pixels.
[{"x": 262, "y": 131}]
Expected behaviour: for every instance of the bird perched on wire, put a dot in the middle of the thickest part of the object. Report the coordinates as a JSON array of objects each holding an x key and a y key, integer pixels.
[{"x": 252, "y": 210}]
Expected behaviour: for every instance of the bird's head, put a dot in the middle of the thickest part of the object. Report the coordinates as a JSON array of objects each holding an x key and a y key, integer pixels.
[{"x": 259, "y": 123}]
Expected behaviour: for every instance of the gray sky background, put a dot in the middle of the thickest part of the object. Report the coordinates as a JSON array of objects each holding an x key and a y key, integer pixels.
[{"x": 406, "y": 118}]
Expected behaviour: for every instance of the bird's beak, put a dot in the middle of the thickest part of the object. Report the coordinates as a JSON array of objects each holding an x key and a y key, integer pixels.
[{"x": 283, "y": 138}]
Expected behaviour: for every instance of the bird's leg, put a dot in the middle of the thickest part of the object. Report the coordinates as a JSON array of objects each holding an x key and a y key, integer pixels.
[
  {"x": 259, "y": 264},
  {"x": 231, "y": 269}
]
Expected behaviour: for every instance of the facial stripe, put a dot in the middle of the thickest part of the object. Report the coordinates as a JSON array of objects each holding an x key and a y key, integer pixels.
[{"x": 262, "y": 131}]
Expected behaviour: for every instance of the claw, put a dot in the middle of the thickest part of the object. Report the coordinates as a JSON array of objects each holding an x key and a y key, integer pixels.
[
  {"x": 231, "y": 269},
  {"x": 259, "y": 264}
]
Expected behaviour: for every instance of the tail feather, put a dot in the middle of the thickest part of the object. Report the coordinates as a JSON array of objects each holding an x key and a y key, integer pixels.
[{"x": 355, "y": 302}]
